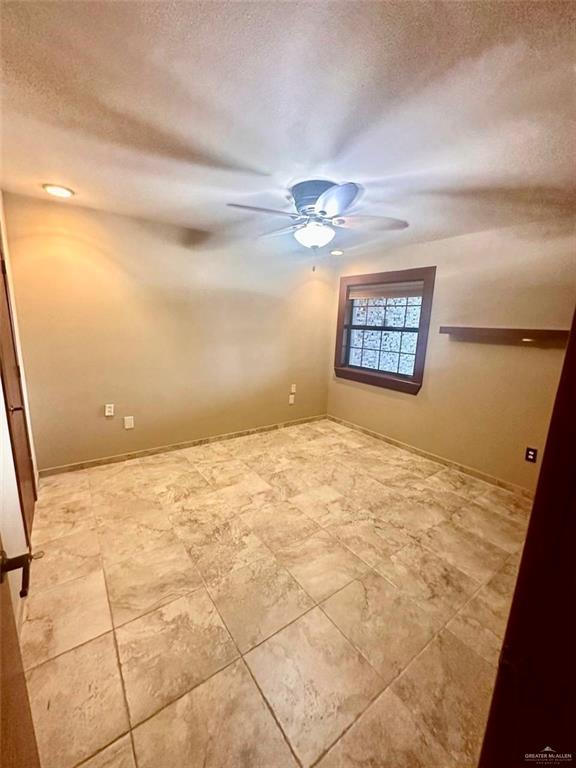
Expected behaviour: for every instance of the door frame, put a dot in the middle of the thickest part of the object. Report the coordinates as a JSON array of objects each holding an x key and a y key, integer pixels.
[
  {"x": 18, "y": 747},
  {"x": 23, "y": 460}
]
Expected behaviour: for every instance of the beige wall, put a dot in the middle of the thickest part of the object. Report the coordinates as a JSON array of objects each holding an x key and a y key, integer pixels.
[
  {"x": 480, "y": 404},
  {"x": 189, "y": 340},
  {"x": 194, "y": 341}
]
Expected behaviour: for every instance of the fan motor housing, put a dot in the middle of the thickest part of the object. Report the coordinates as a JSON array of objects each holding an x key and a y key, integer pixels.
[{"x": 305, "y": 193}]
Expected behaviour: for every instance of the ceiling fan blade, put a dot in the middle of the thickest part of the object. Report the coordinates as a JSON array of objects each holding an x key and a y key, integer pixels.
[
  {"x": 336, "y": 199},
  {"x": 369, "y": 222},
  {"x": 264, "y": 210},
  {"x": 282, "y": 230}
]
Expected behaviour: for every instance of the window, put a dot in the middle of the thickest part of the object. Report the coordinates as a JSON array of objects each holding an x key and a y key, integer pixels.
[{"x": 383, "y": 328}]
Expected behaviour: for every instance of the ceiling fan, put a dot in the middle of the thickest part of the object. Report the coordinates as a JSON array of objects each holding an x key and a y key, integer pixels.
[{"x": 321, "y": 206}]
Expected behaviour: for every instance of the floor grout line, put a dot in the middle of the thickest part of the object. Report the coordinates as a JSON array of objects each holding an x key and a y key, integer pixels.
[
  {"x": 181, "y": 695},
  {"x": 443, "y": 627},
  {"x": 315, "y": 603},
  {"x": 272, "y": 713},
  {"x": 100, "y": 750},
  {"x": 267, "y": 703},
  {"x": 34, "y": 591},
  {"x": 122, "y": 681},
  {"x": 68, "y": 650}
]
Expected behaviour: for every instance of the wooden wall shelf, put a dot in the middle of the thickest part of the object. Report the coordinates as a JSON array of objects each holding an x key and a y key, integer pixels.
[{"x": 525, "y": 337}]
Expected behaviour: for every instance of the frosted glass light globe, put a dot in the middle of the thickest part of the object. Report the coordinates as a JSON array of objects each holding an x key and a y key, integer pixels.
[{"x": 314, "y": 234}]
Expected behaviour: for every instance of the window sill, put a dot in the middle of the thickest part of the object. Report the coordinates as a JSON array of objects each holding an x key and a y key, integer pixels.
[{"x": 378, "y": 380}]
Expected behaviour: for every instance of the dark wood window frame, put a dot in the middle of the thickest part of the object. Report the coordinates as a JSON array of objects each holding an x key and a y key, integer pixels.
[{"x": 410, "y": 384}]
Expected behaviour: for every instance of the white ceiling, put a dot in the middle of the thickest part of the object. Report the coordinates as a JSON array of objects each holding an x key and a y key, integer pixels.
[{"x": 456, "y": 116}]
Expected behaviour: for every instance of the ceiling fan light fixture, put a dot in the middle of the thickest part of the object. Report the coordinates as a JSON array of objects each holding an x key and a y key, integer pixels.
[{"x": 314, "y": 235}]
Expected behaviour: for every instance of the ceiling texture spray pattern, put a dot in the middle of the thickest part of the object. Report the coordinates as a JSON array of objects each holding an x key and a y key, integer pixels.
[{"x": 454, "y": 116}]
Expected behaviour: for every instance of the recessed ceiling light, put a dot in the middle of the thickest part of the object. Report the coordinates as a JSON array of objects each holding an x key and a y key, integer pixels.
[
  {"x": 57, "y": 190},
  {"x": 527, "y": 340},
  {"x": 336, "y": 253}
]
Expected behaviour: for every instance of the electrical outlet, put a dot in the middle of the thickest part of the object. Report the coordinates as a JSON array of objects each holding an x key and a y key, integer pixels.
[
  {"x": 128, "y": 422},
  {"x": 531, "y": 455},
  {"x": 109, "y": 409},
  {"x": 293, "y": 389},
  {"x": 291, "y": 399}
]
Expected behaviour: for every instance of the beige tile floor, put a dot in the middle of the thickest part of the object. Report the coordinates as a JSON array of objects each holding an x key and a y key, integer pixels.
[{"x": 306, "y": 596}]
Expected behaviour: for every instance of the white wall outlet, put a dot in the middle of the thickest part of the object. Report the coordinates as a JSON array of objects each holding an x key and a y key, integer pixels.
[
  {"x": 128, "y": 422},
  {"x": 291, "y": 399},
  {"x": 293, "y": 389},
  {"x": 109, "y": 409}
]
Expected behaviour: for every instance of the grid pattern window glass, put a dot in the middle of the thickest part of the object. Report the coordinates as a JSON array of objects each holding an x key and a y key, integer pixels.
[
  {"x": 383, "y": 333},
  {"x": 383, "y": 326}
]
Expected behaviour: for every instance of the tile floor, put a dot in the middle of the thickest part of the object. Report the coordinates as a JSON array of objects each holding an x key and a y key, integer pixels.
[{"x": 306, "y": 596}]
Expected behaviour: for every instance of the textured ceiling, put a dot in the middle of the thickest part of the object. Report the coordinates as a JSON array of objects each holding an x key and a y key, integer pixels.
[{"x": 456, "y": 116}]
